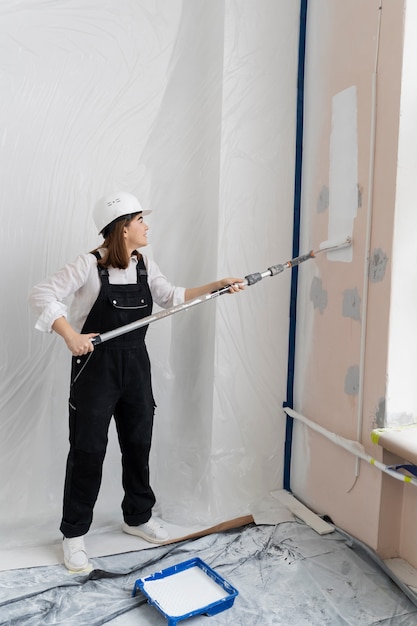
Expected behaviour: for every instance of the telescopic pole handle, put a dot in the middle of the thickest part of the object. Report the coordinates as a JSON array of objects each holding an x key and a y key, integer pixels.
[
  {"x": 159, "y": 315},
  {"x": 250, "y": 279}
]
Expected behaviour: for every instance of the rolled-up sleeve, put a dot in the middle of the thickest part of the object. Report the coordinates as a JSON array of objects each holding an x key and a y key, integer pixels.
[
  {"x": 47, "y": 298},
  {"x": 51, "y": 312}
]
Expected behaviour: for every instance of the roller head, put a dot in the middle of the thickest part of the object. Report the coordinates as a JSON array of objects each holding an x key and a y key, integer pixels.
[{"x": 334, "y": 245}]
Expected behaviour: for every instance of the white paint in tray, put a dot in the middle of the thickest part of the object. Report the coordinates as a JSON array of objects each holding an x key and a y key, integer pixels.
[{"x": 185, "y": 591}]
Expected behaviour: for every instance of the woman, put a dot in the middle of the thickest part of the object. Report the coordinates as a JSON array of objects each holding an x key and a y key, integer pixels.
[{"x": 111, "y": 286}]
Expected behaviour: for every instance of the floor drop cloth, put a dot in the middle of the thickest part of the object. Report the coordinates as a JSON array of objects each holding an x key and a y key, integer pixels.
[{"x": 286, "y": 575}]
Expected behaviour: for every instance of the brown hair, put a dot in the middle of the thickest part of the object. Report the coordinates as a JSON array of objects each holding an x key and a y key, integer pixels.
[{"x": 116, "y": 254}]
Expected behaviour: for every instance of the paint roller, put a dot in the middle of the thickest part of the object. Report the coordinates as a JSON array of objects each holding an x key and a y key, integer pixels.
[{"x": 249, "y": 280}]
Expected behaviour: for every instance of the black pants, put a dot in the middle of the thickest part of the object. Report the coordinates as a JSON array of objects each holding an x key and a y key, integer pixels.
[{"x": 108, "y": 382}]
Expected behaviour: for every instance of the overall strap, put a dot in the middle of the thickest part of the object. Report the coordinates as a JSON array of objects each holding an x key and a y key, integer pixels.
[
  {"x": 141, "y": 271},
  {"x": 102, "y": 271}
]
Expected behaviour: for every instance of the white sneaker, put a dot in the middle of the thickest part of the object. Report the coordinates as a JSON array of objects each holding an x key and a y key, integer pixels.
[
  {"x": 75, "y": 555},
  {"x": 151, "y": 531}
]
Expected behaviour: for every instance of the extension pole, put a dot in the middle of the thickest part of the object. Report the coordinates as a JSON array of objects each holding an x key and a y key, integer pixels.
[
  {"x": 251, "y": 279},
  {"x": 354, "y": 447}
]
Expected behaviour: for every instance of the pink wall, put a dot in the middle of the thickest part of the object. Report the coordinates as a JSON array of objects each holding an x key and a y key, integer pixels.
[{"x": 342, "y": 52}]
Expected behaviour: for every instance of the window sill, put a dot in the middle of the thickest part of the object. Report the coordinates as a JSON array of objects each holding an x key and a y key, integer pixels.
[{"x": 400, "y": 440}]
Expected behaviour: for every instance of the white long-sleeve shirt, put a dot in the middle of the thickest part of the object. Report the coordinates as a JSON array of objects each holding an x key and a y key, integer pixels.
[{"x": 80, "y": 280}]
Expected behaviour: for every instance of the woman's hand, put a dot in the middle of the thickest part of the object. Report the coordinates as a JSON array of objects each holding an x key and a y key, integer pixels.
[
  {"x": 234, "y": 284},
  {"x": 77, "y": 343}
]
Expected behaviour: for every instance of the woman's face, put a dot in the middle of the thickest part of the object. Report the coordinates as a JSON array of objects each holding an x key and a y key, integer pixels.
[{"x": 135, "y": 233}]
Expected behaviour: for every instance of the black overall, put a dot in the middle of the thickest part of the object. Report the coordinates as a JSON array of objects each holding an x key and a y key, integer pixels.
[{"x": 113, "y": 380}]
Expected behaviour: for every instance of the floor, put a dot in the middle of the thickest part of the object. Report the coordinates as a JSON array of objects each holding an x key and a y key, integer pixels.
[{"x": 286, "y": 574}]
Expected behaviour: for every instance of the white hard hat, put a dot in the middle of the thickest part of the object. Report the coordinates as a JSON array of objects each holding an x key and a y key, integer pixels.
[{"x": 113, "y": 207}]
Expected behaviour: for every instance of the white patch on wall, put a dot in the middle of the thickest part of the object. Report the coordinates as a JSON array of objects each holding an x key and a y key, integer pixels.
[{"x": 343, "y": 174}]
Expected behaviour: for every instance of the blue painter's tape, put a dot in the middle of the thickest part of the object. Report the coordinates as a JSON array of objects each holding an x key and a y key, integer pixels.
[{"x": 296, "y": 241}]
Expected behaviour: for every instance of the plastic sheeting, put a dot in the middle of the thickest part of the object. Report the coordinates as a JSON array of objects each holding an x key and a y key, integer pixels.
[
  {"x": 285, "y": 574},
  {"x": 190, "y": 105}
]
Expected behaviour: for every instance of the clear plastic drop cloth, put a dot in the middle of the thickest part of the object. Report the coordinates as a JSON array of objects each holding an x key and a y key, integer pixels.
[
  {"x": 285, "y": 574},
  {"x": 190, "y": 105}
]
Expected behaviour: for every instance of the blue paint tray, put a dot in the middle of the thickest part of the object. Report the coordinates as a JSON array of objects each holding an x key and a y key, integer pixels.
[{"x": 187, "y": 589}]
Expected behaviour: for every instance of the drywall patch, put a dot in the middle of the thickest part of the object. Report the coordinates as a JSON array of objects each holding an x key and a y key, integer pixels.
[
  {"x": 318, "y": 295},
  {"x": 351, "y": 304},
  {"x": 377, "y": 265},
  {"x": 380, "y": 413},
  {"x": 352, "y": 381},
  {"x": 323, "y": 200}
]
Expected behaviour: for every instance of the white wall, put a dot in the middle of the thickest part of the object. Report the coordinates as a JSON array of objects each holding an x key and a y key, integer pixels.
[{"x": 191, "y": 105}]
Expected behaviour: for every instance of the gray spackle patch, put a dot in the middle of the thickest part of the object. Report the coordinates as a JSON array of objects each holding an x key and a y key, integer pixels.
[
  {"x": 352, "y": 381},
  {"x": 318, "y": 295},
  {"x": 359, "y": 197},
  {"x": 380, "y": 414},
  {"x": 323, "y": 200},
  {"x": 377, "y": 266},
  {"x": 351, "y": 304}
]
